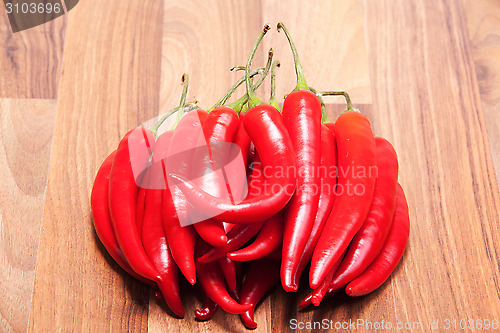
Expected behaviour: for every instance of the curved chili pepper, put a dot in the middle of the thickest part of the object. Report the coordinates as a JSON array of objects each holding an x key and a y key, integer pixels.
[
  {"x": 209, "y": 309},
  {"x": 269, "y": 239},
  {"x": 390, "y": 255},
  {"x": 324, "y": 290},
  {"x": 153, "y": 234},
  {"x": 229, "y": 270},
  {"x": 302, "y": 117},
  {"x": 370, "y": 239},
  {"x": 175, "y": 207},
  {"x": 239, "y": 234},
  {"x": 220, "y": 127},
  {"x": 261, "y": 277},
  {"x": 356, "y": 149},
  {"x": 122, "y": 200},
  {"x": 267, "y": 131},
  {"x": 237, "y": 237},
  {"x": 328, "y": 181},
  {"x": 212, "y": 281},
  {"x": 271, "y": 140},
  {"x": 99, "y": 202}
]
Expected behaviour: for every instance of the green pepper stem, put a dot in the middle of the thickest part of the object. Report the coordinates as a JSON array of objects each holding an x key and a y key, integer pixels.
[
  {"x": 324, "y": 116},
  {"x": 272, "y": 99},
  {"x": 180, "y": 109},
  {"x": 235, "y": 86},
  {"x": 253, "y": 100},
  {"x": 301, "y": 80},
  {"x": 339, "y": 93}
]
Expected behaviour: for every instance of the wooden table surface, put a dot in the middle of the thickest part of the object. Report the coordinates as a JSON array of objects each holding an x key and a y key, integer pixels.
[{"x": 427, "y": 74}]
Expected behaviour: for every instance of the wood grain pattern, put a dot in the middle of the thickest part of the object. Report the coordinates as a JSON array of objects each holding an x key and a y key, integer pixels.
[
  {"x": 483, "y": 18},
  {"x": 26, "y": 128},
  {"x": 431, "y": 111},
  {"x": 30, "y": 60},
  {"x": 109, "y": 84},
  {"x": 330, "y": 39}
]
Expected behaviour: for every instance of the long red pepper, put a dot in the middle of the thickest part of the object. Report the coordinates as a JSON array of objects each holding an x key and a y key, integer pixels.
[
  {"x": 390, "y": 255},
  {"x": 212, "y": 281},
  {"x": 175, "y": 208},
  {"x": 238, "y": 235},
  {"x": 261, "y": 277},
  {"x": 99, "y": 202},
  {"x": 328, "y": 176},
  {"x": 357, "y": 160},
  {"x": 324, "y": 289},
  {"x": 219, "y": 130},
  {"x": 302, "y": 118},
  {"x": 269, "y": 239},
  {"x": 123, "y": 195},
  {"x": 153, "y": 234},
  {"x": 229, "y": 269},
  {"x": 370, "y": 239},
  {"x": 267, "y": 131}
]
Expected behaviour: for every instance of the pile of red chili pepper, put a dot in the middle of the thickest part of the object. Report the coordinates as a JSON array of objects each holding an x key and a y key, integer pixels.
[{"x": 316, "y": 196}]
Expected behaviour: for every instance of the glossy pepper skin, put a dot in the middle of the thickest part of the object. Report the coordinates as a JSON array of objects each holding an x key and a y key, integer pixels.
[
  {"x": 153, "y": 234},
  {"x": 356, "y": 147},
  {"x": 209, "y": 309},
  {"x": 265, "y": 127},
  {"x": 219, "y": 129},
  {"x": 302, "y": 118},
  {"x": 122, "y": 199},
  {"x": 175, "y": 207},
  {"x": 99, "y": 202},
  {"x": 268, "y": 240},
  {"x": 369, "y": 240},
  {"x": 239, "y": 234},
  {"x": 328, "y": 177},
  {"x": 390, "y": 255},
  {"x": 261, "y": 277},
  {"x": 212, "y": 281}
]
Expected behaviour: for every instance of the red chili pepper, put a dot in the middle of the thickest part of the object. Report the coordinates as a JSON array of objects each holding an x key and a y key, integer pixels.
[
  {"x": 356, "y": 180},
  {"x": 99, "y": 201},
  {"x": 269, "y": 239},
  {"x": 302, "y": 117},
  {"x": 141, "y": 203},
  {"x": 153, "y": 234},
  {"x": 175, "y": 208},
  {"x": 212, "y": 281},
  {"x": 219, "y": 130},
  {"x": 267, "y": 131},
  {"x": 261, "y": 277},
  {"x": 370, "y": 239},
  {"x": 239, "y": 234},
  {"x": 122, "y": 199},
  {"x": 390, "y": 255},
  {"x": 209, "y": 309},
  {"x": 229, "y": 270},
  {"x": 328, "y": 181}
]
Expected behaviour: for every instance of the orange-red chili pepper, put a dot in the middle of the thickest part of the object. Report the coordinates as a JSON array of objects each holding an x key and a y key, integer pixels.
[
  {"x": 390, "y": 255},
  {"x": 99, "y": 202},
  {"x": 357, "y": 161},
  {"x": 369, "y": 240}
]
